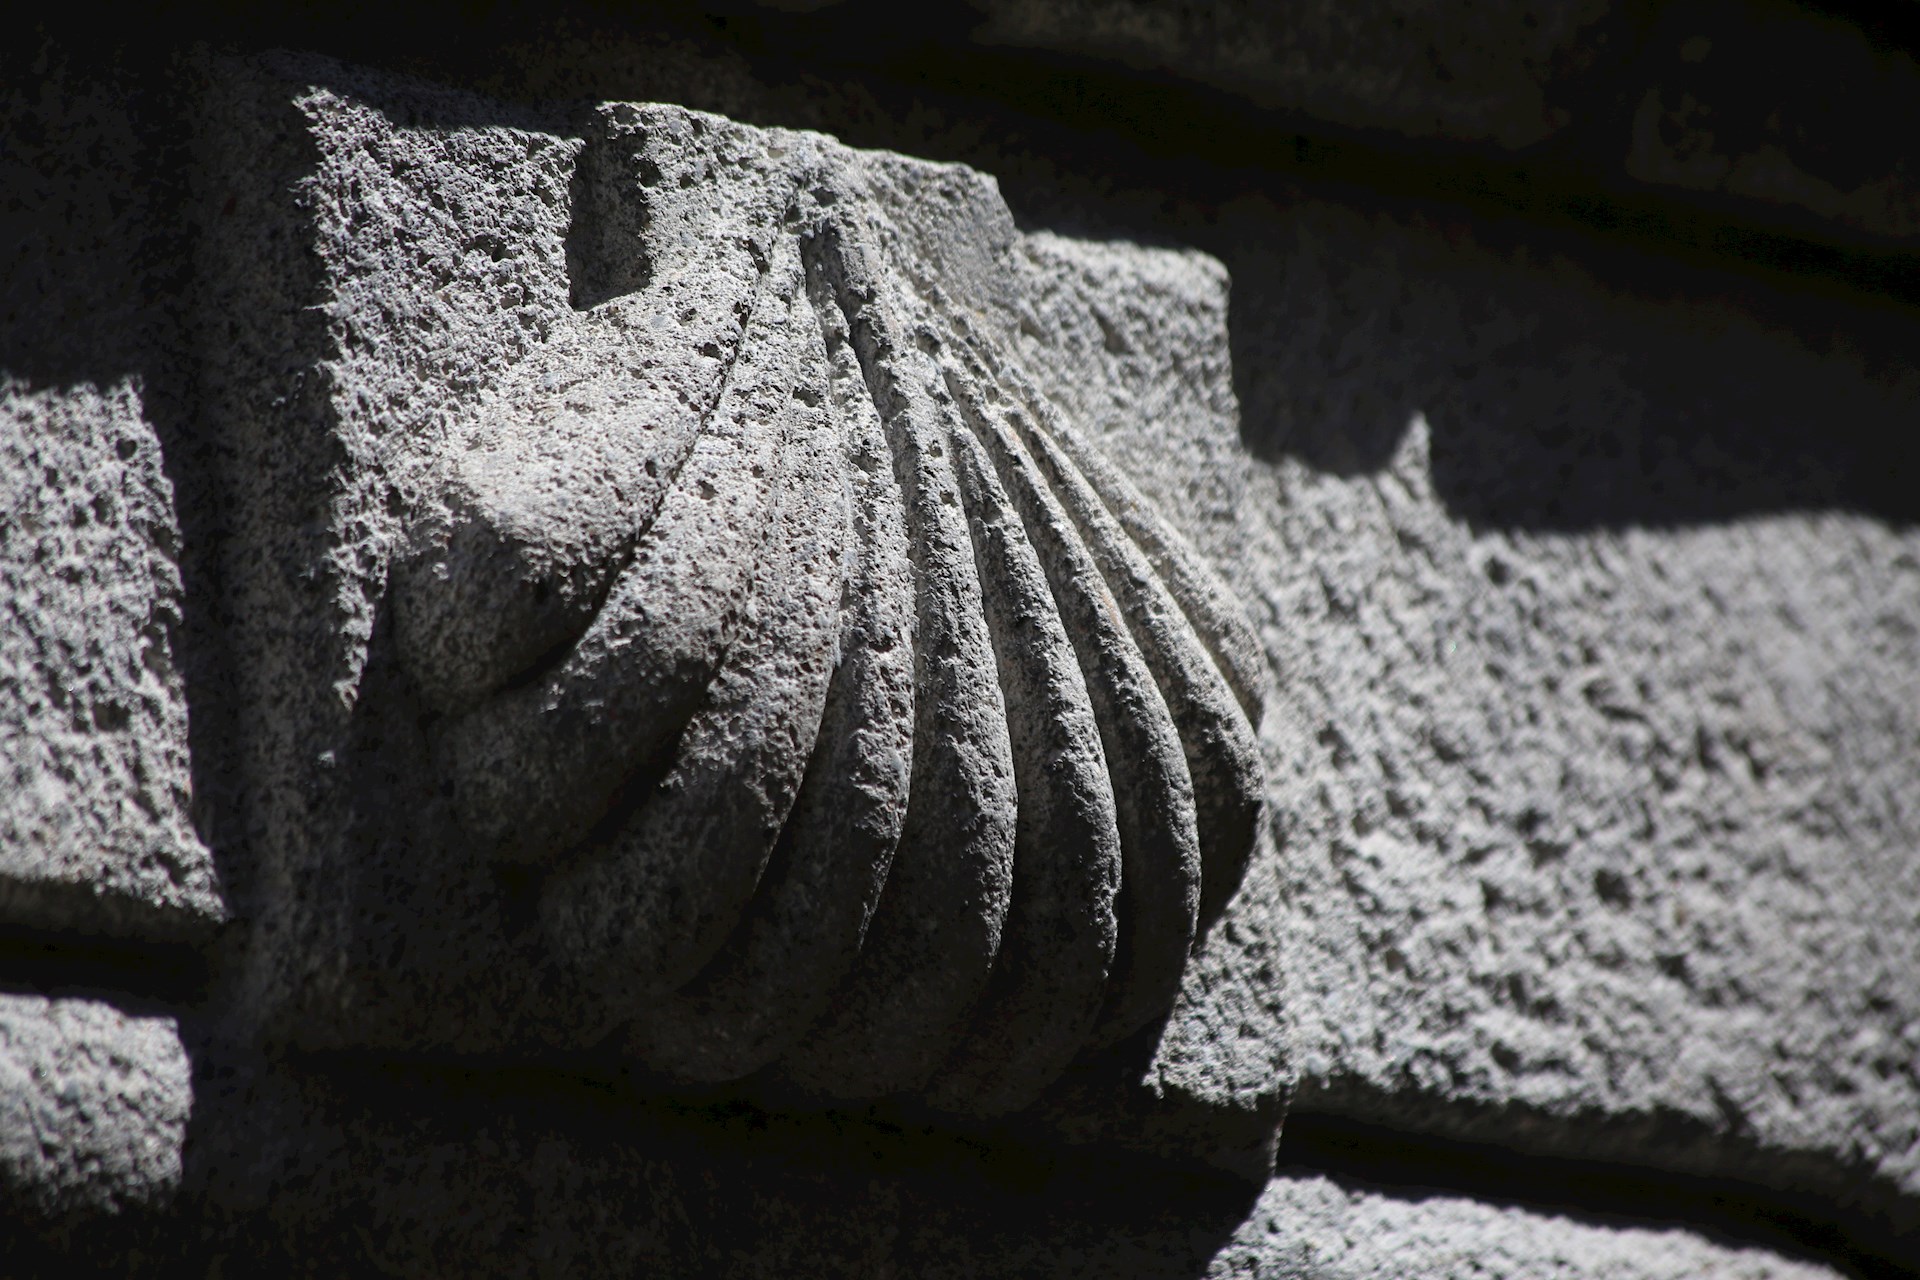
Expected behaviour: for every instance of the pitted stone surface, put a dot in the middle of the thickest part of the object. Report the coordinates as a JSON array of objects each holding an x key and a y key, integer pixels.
[
  {"x": 95, "y": 788},
  {"x": 1591, "y": 769},
  {"x": 1534, "y": 857},
  {"x": 1323, "y": 1228},
  {"x": 1598, "y": 698},
  {"x": 94, "y": 825},
  {"x": 93, "y": 1111}
]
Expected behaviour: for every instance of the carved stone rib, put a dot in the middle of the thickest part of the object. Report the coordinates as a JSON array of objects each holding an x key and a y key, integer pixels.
[
  {"x": 937, "y": 929},
  {"x": 1214, "y": 617},
  {"x": 644, "y": 911},
  {"x": 1049, "y": 981},
  {"x": 1223, "y": 757},
  {"x": 801, "y": 934},
  {"x": 1159, "y": 900}
]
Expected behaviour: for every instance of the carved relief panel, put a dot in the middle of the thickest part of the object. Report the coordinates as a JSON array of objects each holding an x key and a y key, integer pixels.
[{"x": 688, "y": 631}]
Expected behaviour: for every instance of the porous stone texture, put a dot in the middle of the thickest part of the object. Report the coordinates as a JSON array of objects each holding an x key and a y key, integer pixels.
[
  {"x": 1593, "y": 747},
  {"x": 1588, "y": 581},
  {"x": 95, "y": 787},
  {"x": 94, "y": 1098},
  {"x": 94, "y": 826},
  {"x": 1587, "y": 766},
  {"x": 1324, "y": 1228}
]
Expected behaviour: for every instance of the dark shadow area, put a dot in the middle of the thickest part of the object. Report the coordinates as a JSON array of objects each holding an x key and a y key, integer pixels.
[
  {"x": 129, "y": 1242},
  {"x": 1891, "y": 28},
  {"x": 329, "y": 1164},
  {"x": 173, "y": 976},
  {"x": 346, "y": 1164},
  {"x": 606, "y": 241},
  {"x": 1567, "y": 385},
  {"x": 1770, "y": 1202}
]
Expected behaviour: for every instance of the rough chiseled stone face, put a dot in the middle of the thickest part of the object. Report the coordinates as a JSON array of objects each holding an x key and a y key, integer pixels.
[
  {"x": 94, "y": 1101},
  {"x": 96, "y": 827},
  {"x": 715, "y": 645},
  {"x": 676, "y": 616},
  {"x": 95, "y": 831}
]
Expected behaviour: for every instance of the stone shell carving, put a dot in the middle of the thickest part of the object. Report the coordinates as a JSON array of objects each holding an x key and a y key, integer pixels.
[{"x": 850, "y": 715}]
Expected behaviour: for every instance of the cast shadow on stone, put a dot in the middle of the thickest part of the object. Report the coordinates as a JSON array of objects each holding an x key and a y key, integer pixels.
[
  {"x": 95, "y": 294},
  {"x": 329, "y": 1164},
  {"x": 1725, "y": 1187},
  {"x": 1568, "y": 384}
]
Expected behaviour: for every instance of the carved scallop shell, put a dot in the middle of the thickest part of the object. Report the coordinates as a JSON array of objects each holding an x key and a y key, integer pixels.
[{"x": 856, "y": 719}]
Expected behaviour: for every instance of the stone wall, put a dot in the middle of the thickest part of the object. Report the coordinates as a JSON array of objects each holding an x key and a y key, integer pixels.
[{"x": 1300, "y": 670}]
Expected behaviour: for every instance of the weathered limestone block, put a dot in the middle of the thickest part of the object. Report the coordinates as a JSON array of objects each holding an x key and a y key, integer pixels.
[
  {"x": 95, "y": 791},
  {"x": 94, "y": 1101},
  {"x": 94, "y": 823},
  {"x": 1495, "y": 915},
  {"x": 685, "y": 630}
]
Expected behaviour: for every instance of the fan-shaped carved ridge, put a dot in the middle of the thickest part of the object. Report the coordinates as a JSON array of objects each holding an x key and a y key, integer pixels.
[{"x": 858, "y": 720}]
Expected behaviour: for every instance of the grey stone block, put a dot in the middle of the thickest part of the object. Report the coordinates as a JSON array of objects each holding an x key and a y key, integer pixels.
[
  {"x": 1535, "y": 872},
  {"x": 94, "y": 1100},
  {"x": 1593, "y": 742},
  {"x": 426, "y": 1172},
  {"x": 1327, "y": 1229},
  {"x": 1591, "y": 760},
  {"x": 96, "y": 829}
]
